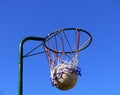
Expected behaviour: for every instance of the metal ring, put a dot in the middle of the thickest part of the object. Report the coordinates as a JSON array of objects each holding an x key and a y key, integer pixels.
[{"x": 65, "y": 29}]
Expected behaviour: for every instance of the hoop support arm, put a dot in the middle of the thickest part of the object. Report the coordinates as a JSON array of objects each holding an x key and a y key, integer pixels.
[{"x": 20, "y": 76}]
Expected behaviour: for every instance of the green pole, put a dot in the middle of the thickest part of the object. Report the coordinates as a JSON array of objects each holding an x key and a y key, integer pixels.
[{"x": 20, "y": 75}]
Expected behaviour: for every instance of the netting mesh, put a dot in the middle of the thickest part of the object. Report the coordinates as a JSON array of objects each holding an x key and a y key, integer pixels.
[
  {"x": 62, "y": 49},
  {"x": 60, "y": 61},
  {"x": 69, "y": 66}
]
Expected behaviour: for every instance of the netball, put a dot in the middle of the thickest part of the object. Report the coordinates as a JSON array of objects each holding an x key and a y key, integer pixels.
[{"x": 65, "y": 77}]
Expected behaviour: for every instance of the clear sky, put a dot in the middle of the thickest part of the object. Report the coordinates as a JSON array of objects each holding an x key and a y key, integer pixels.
[{"x": 100, "y": 62}]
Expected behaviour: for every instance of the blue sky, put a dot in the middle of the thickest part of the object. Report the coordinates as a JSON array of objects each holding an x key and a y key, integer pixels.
[{"x": 99, "y": 63}]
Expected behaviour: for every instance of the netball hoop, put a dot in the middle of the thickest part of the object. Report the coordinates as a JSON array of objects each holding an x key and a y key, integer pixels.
[{"x": 62, "y": 48}]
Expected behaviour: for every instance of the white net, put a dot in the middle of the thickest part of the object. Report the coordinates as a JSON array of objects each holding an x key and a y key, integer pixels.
[
  {"x": 62, "y": 47},
  {"x": 64, "y": 75}
]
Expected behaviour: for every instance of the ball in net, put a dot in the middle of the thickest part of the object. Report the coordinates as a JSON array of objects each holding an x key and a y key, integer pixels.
[{"x": 64, "y": 76}]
